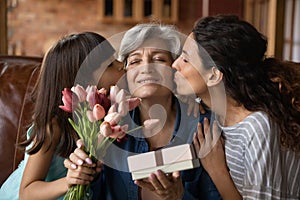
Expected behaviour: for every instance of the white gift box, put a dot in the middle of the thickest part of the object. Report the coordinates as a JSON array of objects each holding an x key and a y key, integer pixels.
[{"x": 177, "y": 158}]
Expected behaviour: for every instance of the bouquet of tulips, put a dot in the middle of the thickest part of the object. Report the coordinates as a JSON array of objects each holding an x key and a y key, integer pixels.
[{"x": 96, "y": 120}]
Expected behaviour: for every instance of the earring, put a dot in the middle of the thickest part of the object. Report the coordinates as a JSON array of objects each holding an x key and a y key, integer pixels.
[{"x": 198, "y": 100}]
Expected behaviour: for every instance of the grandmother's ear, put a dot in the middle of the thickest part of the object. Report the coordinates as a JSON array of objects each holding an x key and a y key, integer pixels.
[{"x": 215, "y": 76}]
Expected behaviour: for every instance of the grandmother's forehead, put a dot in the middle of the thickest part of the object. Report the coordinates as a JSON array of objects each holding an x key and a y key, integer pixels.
[{"x": 157, "y": 43}]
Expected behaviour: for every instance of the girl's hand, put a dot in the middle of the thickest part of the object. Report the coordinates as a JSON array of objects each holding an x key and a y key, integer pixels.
[
  {"x": 81, "y": 169},
  {"x": 165, "y": 186},
  {"x": 210, "y": 147}
]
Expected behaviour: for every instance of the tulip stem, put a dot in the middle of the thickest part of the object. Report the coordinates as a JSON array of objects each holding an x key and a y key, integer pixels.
[{"x": 135, "y": 129}]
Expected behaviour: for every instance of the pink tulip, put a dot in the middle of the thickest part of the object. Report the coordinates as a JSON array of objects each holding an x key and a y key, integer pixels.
[
  {"x": 105, "y": 129},
  {"x": 95, "y": 96},
  {"x": 98, "y": 112},
  {"x": 113, "y": 108},
  {"x": 102, "y": 100},
  {"x": 80, "y": 92},
  {"x": 113, "y": 118},
  {"x": 103, "y": 91},
  {"x": 133, "y": 102},
  {"x": 123, "y": 108},
  {"x": 118, "y": 132},
  {"x": 124, "y": 128},
  {"x": 113, "y": 93},
  {"x": 69, "y": 99},
  {"x": 129, "y": 104},
  {"x": 90, "y": 116},
  {"x": 91, "y": 90},
  {"x": 120, "y": 96}
]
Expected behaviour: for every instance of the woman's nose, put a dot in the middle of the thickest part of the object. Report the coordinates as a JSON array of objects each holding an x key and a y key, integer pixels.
[{"x": 175, "y": 65}]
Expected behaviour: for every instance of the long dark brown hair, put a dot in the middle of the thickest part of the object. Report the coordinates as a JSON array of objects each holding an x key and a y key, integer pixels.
[
  {"x": 59, "y": 70},
  {"x": 257, "y": 83}
]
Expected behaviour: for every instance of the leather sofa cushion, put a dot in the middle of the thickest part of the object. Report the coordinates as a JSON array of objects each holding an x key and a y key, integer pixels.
[{"x": 17, "y": 79}]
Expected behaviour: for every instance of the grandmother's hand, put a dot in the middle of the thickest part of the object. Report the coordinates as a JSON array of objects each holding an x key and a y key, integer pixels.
[{"x": 167, "y": 187}]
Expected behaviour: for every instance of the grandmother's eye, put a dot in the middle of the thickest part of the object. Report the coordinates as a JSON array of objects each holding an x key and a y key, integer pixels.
[
  {"x": 159, "y": 59},
  {"x": 132, "y": 62}
]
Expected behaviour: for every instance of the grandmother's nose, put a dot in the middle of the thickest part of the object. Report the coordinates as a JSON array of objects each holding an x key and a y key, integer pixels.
[{"x": 147, "y": 68}]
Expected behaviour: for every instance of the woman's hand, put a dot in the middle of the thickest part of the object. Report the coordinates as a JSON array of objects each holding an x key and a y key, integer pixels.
[
  {"x": 81, "y": 169},
  {"x": 165, "y": 186},
  {"x": 210, "y": 147}
]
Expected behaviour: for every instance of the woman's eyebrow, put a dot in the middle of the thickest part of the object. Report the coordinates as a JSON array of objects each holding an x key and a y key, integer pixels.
[{"x": 185, "y": 52}]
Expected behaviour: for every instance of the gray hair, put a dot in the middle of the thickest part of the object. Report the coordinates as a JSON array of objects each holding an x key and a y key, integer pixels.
[{"x": 136, "y": 36}]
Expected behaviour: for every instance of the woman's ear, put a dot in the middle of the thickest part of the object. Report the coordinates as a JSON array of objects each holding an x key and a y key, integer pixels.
[{"x": 214, "y": 77}]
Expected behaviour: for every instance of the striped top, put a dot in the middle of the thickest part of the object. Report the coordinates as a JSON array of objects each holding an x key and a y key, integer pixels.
[{"x": 259, "y": 169}]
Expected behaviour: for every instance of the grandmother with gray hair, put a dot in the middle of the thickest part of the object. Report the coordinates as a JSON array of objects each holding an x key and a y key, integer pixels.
[
  {"x": 170, "y": 38},
  {"x": 148, "y": 51}
]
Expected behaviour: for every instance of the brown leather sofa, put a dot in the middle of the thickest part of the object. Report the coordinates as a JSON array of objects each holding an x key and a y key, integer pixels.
[{"x": 18, "y": 75}]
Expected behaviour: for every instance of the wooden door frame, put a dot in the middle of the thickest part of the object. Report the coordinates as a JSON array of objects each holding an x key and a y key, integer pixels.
[{"x": 3, "y": 27}]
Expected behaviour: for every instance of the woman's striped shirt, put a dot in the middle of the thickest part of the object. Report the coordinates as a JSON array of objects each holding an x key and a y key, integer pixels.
[{"x": 259, "y": 169}]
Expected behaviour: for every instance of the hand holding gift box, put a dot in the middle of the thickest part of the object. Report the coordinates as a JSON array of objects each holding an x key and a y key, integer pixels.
[{"x": 176, "y": 158}]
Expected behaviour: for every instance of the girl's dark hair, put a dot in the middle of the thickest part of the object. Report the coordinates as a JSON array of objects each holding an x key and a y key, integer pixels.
[
  {"x": 59, "y": 70},
  {"x": 257, "y": 83}
]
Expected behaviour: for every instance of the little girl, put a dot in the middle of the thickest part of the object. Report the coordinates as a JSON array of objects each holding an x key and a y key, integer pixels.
[{"x": 51, "y": 139}]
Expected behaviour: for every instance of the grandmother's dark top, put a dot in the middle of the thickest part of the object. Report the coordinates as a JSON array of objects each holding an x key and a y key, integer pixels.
[{"x": 115, "y": 181}]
